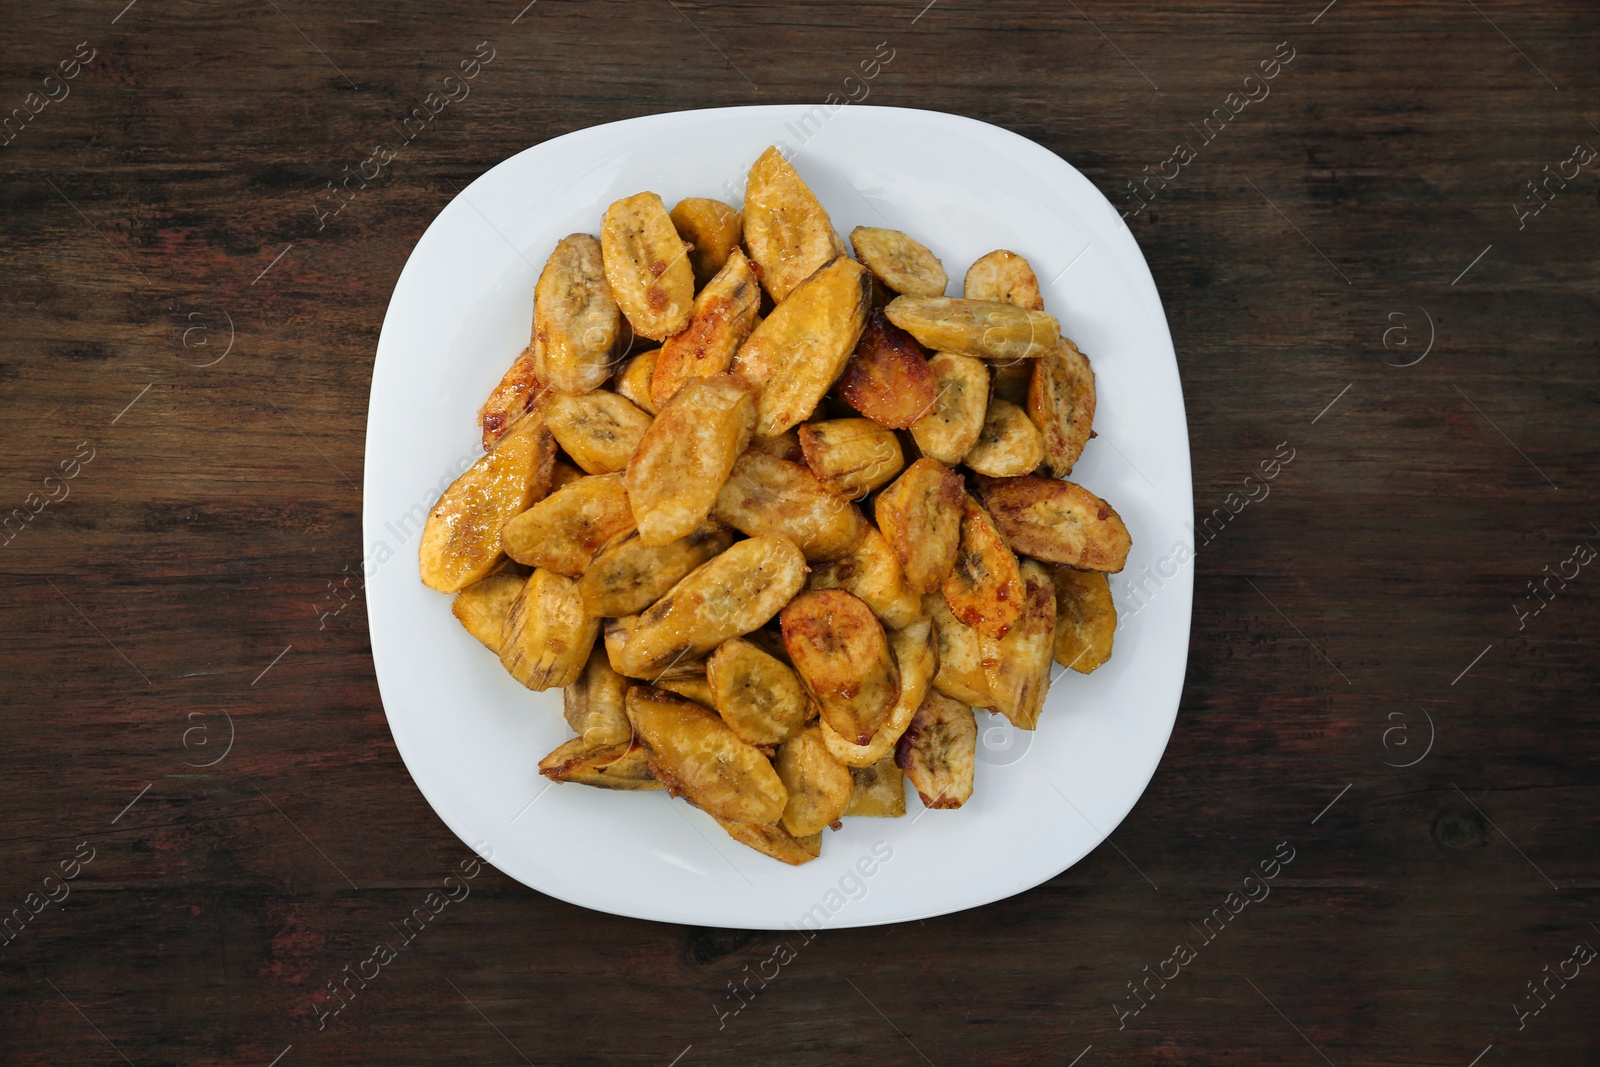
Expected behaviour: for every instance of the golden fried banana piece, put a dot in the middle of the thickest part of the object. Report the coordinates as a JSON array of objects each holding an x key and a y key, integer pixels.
[
  {"x": 1058, "y": 522},
  {"x": 599, "y": 430},
  {"x": 800, "y": 349},
  {"x": 713, "y": 228},
  {"x": 562, "y": 532},
  {"x": 519, "y": 393},
  {"x": 1086, "y": 618},
  {"x": 688, "y": 680},
  {"x": 1003, "y": 277},
  {"x": 920, "y": 516},
  {"x": 1009, "y": 446},
  {"x": 767, "y": 496},
  {"x": 756, "y": 694},
  {"x": 627, "y": 575},
  {"x": 683, "y": 459},
  {"x": 915, "y": 657},
  {"x": 593, "y": 704},
  {"x": 736, "y": 592},
  {"x": 481, "y": 607},
  {"x": 984, "y": 589},
  {"x": 775, "y": 841},
  {"x": 575, "y": 317},
  {"x": 786, "y": 228},
  {"x": 878, "y": 791},
  {"x": 952, "y": 425},
  {"x": 647, "y": 264},
  {"x": 546, "y": 639},
  {"x": 625, "y": 765},
  {"x": 872, "y": 572},
  {"x": 724, "y": 314},
  {"x": 1017, "y": 666},
  {"x": 960, "y": 654},
  {"x": 819, "y": 786},
  {"x": 695, "y": 754},
  {"x": 852, "y": 457},
  {"x": 888, "y": 379},
  {"x": 460, "y": 542},
  {"x": 985, "y": 328},
  {"x": 1061, "y": 404},
  {"x": 938, "y": 751},
  {"x": 633, "y": 380},
  {"x": 899, "y": 262},
  {"x": 839, "y": 650}
]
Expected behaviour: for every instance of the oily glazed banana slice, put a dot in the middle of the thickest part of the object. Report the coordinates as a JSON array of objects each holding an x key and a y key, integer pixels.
[
  {"x": 785, "y": 227},
  {"x": 647, "y": 264},
  {"x": 575, "y": 318},
  {"x": 938, "y": 751},
  {"x": 899, "y": 262}
]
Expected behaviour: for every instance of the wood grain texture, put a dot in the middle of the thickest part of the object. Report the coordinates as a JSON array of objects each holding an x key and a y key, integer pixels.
[{"x": 164, "y": 209}]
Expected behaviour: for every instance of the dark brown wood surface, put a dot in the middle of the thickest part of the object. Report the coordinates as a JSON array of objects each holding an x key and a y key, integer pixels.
[{"x": 174, "y": 311}]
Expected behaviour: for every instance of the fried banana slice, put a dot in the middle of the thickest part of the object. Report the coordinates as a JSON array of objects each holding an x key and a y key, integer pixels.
[
  {"x": 878, "y": 791},
  {"x": 731, "y": 595},
  {"x": 647, "y": 264},
  {"x": 546, "y": 638},
  {"x": 1017, "y": 666},
  {"x": 519, "y": 393},
  {"x": 984, "y": 328},
  {"x": 599, "y": 430},
  {"x": 562, "y": 532},
  {"x": 800, "y": 349},
  {"x": 852, "y": 457},
  {"x": 914, "y": 655},
  {"x": 1086, "y": 618},
  {"x": 756, "y": 694},
  {"x": 633, "y": 380},
  {"x": 481, "y": 607},
  {"x": 960, "y": 652},
  {"x": 575, "y": 318},
  {"x": 819, "y": 786},
  {"x": 984, "y": 589},
  {"x": 696, "y": 756},
  {"x": 872, "y": 572},
  {"x": 460, "y": 542},
  {"x": 688, "y": 680},
  {"x": 625, "y": 765},
  {"x": 920, "y": 516},
  {"x": 839, "y": 650},
  {"x": 766, "y": 496},
  {"x": 1003, "y": 277},
  {"x": 938, "y": 751},
  {"x": 713, "y": 229},
  {"x": 724, "y": 314},
  {"x": 593, "y": 704},
  {"x": 1009, "y": 446},
  {"x": 899, "y": 262},
  {"x": 1058, "y": 522},
  {"x": 1061, "y": 404},
  {"x": 954, "y": 422},
  {"x": 786, "y": 229},
  {"x": 627, "y": 575},
  {"x": 888, "y": 379},
  {"x": 686, "y": 455},
  {"x": 775, "y": 841}
]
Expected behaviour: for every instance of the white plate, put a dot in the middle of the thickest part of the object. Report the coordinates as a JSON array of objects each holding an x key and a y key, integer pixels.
[{"x": 472, "y": 737}]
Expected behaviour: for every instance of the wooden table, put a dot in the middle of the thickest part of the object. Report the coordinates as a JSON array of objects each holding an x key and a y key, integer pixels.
[{"x": 1351, "y": 265}]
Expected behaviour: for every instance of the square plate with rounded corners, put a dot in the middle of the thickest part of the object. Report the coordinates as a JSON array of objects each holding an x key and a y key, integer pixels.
[{"x": 472, "y": 737}]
